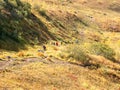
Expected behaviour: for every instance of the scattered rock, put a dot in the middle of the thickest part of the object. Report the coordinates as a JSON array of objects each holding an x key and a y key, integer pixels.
[
  {"x": 40, "y": 51},
  {"x": 8, "y": 57}
]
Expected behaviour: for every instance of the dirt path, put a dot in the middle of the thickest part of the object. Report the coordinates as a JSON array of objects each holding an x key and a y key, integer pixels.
[{"x": 19, "y": 63}]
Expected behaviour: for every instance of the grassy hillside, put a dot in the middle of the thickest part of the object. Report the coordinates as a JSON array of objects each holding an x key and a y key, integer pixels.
[
  {"x": 36, "y": 22},
  {"x": 82, "y": 20},
  {"x": 87, "y": 56},
  {"x": 19, "y": 26}
]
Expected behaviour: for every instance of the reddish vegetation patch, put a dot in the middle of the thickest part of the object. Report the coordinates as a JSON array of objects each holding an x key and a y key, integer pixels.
[
  {"x": 110, "y": 25},
  {"x": 72, "y": 77},
  {"x": 113, "y": 77}
]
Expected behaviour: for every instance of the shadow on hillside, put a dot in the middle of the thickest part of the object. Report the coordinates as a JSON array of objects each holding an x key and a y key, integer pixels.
[
  {"x": 56, "y": 23},
  {"x": 41, "y": 28},
  {"x": 19, "y": 26},
  {"x": 115, "y": 7}
]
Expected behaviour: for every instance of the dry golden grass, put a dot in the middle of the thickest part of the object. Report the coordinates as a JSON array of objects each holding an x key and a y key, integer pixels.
[
  {"x": 51, "y": 76},
  {"x": 21, "y": 54},
  {"x": 40, "y": 54},
  {"x": 40, "y": 76}
]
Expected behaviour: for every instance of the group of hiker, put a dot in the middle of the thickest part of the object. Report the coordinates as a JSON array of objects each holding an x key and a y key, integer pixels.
[
  {"x": 55, "y": 43},
  {"x": 59, "y": 43}
]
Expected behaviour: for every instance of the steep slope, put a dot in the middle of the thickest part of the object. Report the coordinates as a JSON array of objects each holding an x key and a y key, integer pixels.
[
  {"x": 19, "y": 26},
  {"x": 41, "y": 21}
]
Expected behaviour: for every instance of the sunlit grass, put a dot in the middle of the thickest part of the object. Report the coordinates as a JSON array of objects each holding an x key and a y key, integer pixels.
[{"x": 50, "y": 76}]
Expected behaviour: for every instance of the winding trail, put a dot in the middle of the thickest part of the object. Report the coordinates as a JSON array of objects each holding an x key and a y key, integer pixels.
[{"x": 4, "y": 64}]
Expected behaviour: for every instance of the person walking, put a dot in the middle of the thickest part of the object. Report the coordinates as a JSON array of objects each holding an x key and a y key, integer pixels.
[{"x": 44, "y": 48}]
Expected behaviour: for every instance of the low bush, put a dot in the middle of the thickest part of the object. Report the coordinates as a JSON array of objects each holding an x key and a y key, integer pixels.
[
  {"x": 76, "y": 52},
  {"x": 103, "y": 50},
  {"x": 17, "y": 8}
]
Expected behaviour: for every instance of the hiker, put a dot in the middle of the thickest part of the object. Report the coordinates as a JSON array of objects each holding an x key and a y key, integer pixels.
[
  {"x": 56, "y": 44},
  {"x": 53, "y": 43},
  {"x": 8, "y": 57},
  {"x": 44, "y": 47}
]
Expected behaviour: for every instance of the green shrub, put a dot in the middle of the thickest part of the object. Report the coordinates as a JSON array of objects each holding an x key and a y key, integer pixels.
[
  {"x": 2, "y": 3},
  {"x": 103, "y": 50},
  {"x": 43, "y": 12},
  {"x": 77, "y": 53},
  {"x": 26, "y": 9},
  {"x": 13, "y": 3},
  {"x": 17, "y": 8}
]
